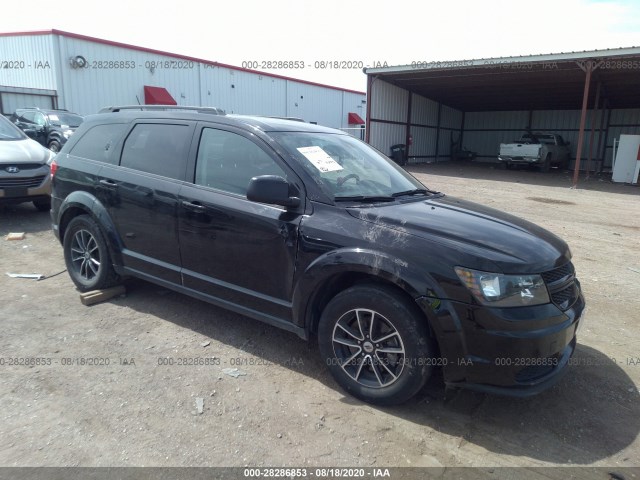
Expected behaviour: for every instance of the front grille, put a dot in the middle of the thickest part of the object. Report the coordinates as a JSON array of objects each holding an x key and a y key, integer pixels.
[
  {"x": 22, "y": 166},
  {"x": 561, "y": 283},
  {"x": 553, "y": 276},
  {"x": 30, "y": 182}
]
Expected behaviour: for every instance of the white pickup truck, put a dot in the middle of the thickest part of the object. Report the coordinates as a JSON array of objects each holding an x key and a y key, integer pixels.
[{"x": 541, "y": 149}]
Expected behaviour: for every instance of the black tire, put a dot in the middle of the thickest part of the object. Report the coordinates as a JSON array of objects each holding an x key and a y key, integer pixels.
[
  {"x": 42, "y": 205},
  {"x": 87, "y": 256},
  {"x": 376, "y": 372},
  {"x": 54, "y": 146},
  {"x": 546, "y": 165}
]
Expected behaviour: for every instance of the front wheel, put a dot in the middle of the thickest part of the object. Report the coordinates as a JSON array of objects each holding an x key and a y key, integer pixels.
[
  {"x": 87, "y": 256},
  {"x": 376, "y": 344}
]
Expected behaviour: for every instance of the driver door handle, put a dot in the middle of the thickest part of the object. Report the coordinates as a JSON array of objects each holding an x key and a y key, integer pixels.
[{"x": 194, "y": 207}]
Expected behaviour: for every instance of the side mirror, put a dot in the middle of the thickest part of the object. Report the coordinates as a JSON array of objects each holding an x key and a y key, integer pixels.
[{"x": 271, "y": 189}]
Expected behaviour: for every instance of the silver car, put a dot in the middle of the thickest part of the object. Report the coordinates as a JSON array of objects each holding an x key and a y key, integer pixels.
[{"x": 24, "y": 168}]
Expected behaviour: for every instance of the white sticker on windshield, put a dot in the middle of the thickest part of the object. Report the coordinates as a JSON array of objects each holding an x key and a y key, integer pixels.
[
  {"x": 54, "y": 118},
  {"x": 320, "y": 159}
]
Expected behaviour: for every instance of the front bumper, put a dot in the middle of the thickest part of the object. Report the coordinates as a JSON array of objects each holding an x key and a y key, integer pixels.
[{"x": 511, "y": 351}]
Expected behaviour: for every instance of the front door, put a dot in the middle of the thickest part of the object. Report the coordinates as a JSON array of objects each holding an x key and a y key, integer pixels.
[{"x": 238, "y": 252}]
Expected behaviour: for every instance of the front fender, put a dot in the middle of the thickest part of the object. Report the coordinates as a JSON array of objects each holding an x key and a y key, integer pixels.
[
  {"x": 92, "y": 206},
  {"x": 413, "y": 280}
]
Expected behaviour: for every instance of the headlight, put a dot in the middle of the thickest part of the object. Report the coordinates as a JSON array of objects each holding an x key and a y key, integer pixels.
[{"x": 498, "y": 290}]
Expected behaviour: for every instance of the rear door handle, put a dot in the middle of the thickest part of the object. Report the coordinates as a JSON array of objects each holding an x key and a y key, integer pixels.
[
  {"x": 194, "y": 207},
  {"x": 108, "y": 184}
]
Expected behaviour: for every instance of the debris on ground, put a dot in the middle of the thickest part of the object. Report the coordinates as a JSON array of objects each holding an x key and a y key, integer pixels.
[
  {"x": 16, "y": 236},
  {"x": 96, "y": 296},
  {"x": 233, "y": 372},
  {"x": 634, "y": 269},
  {"x": 205, "y": 344},
  {"x": 199, "y": 405},
  {"x": 35, "y": 276}
]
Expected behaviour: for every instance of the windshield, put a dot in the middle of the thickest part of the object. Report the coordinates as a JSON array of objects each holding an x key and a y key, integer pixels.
[
  {"x": 8, "y": 131},
  {"x": 65, "y": 119},
  {"x": 348, "y": 169}
]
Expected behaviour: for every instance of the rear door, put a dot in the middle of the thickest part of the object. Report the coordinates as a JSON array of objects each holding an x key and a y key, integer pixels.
[
  {"x": 235, "y": 250},
  {"x": 141, "y": 194}
]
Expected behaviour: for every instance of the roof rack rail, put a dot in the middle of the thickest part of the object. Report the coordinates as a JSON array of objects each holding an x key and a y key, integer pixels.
[{"x": 211, "y": 110}]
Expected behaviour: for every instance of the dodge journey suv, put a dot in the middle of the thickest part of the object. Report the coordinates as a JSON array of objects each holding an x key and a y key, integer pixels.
[{"x": 311, "y": 230}]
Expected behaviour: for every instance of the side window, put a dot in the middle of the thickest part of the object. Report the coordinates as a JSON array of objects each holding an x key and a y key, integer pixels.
[
  {"x": 97, "y": 144},
  {"x": 28, "y": 117},
  {"x": 40, "y": 120},
  {"x": 228, "y": 161},
  {"x": 157, "y": 148}
]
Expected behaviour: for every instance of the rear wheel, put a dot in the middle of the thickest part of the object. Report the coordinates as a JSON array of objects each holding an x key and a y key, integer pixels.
[
  {"x": 87, "y": 256},
  {"x": 376, "y": 344}
]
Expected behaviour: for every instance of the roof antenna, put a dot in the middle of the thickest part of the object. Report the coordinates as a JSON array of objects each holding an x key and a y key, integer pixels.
[{"x": 138, "y": 100}]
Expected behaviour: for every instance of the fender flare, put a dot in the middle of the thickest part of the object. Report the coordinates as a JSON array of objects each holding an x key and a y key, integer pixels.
[
  {"x": 415, "y": 282},
  {"x": 93, "y": 207}
]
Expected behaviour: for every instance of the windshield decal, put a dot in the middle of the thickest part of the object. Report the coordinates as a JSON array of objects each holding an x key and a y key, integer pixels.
[{"x": 320, "y": 159}]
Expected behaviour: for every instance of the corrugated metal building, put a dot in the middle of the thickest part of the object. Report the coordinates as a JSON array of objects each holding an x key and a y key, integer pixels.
[
  {"x": 482, "y": 103},
  {"x": 83, "y": 74}
]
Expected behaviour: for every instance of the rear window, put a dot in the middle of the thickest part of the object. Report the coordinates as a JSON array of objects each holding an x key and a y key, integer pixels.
[
  {"x": 97, "y": 144},
  {"x": 157, "y": 148}
]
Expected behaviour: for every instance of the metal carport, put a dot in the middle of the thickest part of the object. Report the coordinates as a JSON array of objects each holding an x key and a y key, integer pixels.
[{"x": 589, "y": 96}]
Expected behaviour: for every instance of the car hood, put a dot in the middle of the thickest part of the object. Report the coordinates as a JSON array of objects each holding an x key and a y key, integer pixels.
[
  {"x": 23, "y": 151},
  {"x": 494, "y": 238}
]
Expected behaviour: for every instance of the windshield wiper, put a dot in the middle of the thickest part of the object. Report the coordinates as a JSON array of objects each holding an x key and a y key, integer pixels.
[
  {"x": 364, "y": 198},
  {"x": 415, "y": 191}
]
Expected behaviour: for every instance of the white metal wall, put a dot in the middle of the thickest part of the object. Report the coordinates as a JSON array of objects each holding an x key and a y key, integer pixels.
[
  {"x": 431, "y": 124},
  {"x": 87, "y": 90},
  {"x": 30, "y": 62}
]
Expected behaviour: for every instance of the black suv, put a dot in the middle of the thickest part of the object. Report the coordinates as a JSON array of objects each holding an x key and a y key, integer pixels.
[
  {"x": 311, "y": 230},
  {"x": 50, "y": 128}
]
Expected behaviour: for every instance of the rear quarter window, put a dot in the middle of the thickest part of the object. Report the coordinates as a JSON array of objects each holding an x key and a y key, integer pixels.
[{"x": 98, "y": 143}]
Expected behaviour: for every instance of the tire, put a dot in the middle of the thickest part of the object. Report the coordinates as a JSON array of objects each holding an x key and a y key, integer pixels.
[
  {"x": 87, "y": 256},
  {"x": 546, "y": 166},
  {"x": 54, "y": 146},
  {"x": 42, "y": 205},
  {"x": 387, "y": 372}
]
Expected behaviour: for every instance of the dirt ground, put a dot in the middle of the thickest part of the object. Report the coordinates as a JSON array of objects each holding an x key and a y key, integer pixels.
[{"x": 133, "y": 402}]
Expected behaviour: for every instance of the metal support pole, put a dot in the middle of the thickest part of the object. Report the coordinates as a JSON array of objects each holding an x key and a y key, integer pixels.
[
  {"x": 599, "y": 156},
  {"x": 594, "y": 113},
  {"x": 367, "y": 121},
  {"x": 583, "y": 118},
  {"x": 438, "y": 132},
  {"x": 408, "y": 129}
]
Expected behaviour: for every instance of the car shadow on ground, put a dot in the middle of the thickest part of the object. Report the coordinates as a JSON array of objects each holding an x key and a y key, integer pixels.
[
  {"x": 490, "y": 171},
  {"x": 23, "y": 217},
  {"x": 593, "y": 413}
]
